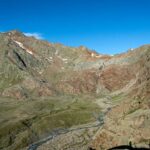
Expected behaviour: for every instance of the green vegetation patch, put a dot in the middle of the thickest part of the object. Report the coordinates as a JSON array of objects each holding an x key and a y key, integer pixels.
[{"x": 25, "y": 122}]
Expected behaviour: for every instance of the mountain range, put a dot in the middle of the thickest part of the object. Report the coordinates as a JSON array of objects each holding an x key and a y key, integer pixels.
[{"x": 47, "y": 86}]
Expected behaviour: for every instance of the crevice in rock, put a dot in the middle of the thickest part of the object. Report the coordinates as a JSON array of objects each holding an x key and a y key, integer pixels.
[{"x": 20, "y": 59}]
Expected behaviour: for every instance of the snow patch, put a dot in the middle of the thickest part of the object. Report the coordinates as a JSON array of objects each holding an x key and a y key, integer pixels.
[
  {"x": 56, "y": 52},
  {"x": 22, "y": 46},
  {"x": 95, "y": 55},
  {"x": 40, "y": 72},
  {"x": 64, "y": 59},
  {"x": 50, "y": 59},
  {"x": 92, "y": 54}
]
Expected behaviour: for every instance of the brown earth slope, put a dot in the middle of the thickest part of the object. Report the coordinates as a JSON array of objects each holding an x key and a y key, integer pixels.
[{"x": 129, "y": 121}]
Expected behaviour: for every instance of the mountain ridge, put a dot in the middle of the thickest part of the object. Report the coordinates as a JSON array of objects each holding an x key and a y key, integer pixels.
[{"x": 34, "y": 72}]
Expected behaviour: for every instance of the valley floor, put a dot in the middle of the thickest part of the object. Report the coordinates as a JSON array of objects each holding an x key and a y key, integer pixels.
[{"x": 25, "y": 122}]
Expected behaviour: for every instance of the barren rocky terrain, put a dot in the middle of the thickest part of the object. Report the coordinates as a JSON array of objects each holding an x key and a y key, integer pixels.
[{"x": 71, "y": 98}]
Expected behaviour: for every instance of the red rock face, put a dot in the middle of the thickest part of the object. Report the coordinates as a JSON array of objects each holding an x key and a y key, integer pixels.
[
  {"x": 79, "y": 82},
  {"x": 116, "y": 77},
  {"x": 129, "y": 121},
  {"x": 111, "y": 78}
]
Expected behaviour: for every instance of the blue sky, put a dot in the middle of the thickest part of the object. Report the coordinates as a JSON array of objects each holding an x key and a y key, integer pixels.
[{"x": 107, "y": 26}]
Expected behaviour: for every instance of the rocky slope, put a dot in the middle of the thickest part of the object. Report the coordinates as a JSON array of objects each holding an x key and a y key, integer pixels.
[
  {"x": 44, "y": 86},
  {"x": 54, "y": 68},
  {"x": 129, "y": 120}
]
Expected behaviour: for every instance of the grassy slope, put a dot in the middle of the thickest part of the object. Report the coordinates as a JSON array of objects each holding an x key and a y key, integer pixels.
[{"x": 24, "y": 122}]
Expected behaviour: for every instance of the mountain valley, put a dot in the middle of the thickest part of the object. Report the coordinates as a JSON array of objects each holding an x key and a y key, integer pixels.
[{"x": 71, "y": 98}]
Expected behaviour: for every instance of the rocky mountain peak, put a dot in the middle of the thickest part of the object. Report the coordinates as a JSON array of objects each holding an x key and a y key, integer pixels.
[{"x": 15, "y": 33}]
